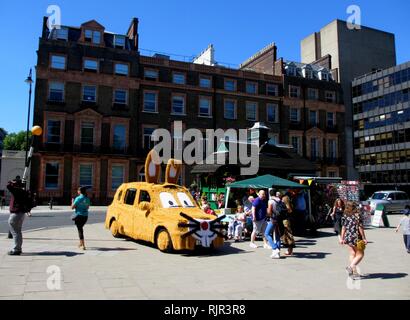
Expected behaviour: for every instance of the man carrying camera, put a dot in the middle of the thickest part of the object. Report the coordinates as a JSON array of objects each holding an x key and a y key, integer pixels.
[{"x": 18, "y": 209}]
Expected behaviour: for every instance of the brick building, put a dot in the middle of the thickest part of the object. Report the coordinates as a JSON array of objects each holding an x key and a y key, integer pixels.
[{"x": 99, "y": 100}]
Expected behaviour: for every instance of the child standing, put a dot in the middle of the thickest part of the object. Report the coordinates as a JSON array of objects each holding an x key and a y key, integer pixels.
[{"x": 405, "y": 224}]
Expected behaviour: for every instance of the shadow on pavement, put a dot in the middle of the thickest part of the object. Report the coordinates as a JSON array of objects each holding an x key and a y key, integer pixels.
[
  {"x": 47, "y": 254},
  {"x": 73, "y": 239},
  {"x": 110, "y": 249},
  {"x": 310, "y": 255},
  {"x": 384, "y": 276}
]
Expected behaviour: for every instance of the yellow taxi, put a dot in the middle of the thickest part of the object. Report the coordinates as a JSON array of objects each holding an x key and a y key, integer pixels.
[{"x": 164, "y": 214}]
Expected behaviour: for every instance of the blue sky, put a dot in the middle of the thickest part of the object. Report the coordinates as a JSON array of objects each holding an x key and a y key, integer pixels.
[{"x": 237, "y": 29}]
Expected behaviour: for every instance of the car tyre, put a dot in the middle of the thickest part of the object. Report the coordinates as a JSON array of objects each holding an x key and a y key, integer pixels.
[
  {"x": 163, "y": 241},
  {"x": 115, "y": 230}
]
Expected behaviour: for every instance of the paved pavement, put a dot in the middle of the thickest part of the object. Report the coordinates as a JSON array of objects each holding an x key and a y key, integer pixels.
[{"x": 123, "y": 269}]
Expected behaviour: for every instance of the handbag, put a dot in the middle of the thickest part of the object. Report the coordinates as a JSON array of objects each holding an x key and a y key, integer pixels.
[{"x": 361, "y": 245}]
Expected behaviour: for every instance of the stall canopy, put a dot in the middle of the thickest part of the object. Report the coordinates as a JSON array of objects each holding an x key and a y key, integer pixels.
[{"x": 266, "y": 182}]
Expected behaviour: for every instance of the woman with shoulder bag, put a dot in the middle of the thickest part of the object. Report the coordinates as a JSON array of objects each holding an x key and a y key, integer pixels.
[
  {"x": 354, "y": 237},
  {"x": 287, "y": 238},
  {"x": 337, "y": 214}
]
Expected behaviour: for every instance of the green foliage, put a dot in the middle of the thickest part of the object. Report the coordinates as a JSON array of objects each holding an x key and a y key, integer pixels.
[{"x": 15, "y": 141}]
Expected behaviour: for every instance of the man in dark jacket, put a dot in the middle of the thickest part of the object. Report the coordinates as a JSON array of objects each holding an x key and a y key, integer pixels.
[{"x": 17, "y": 213}]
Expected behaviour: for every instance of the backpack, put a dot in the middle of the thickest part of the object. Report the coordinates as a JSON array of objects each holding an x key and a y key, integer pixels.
[
  {"x": 281, "y": 210},
  {"x": 29, "y": 201}
]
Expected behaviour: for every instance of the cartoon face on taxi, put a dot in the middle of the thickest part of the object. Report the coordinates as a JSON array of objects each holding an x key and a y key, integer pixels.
[{"x": 163, "y": 214}]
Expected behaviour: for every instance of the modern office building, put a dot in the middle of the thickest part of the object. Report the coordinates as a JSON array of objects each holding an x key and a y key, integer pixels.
[
  {"x": 381, "y": 104},
  {"x": 353, "y": 52}
]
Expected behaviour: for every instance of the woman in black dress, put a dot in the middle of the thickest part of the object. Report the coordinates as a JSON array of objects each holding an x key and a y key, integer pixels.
[
  {"x": 337, "y": 214},
  {"x": 353, "y": 236}
]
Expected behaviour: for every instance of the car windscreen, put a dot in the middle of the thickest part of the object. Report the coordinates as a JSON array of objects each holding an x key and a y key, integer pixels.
[
  {"x": 379, "y": 196},
  {"x": 168, "y": 200}
]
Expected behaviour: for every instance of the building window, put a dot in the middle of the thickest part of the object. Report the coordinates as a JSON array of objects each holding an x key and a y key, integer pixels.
[
  {"x": 230, "y": 109},
  {"x": 53, "y": 131},
  {"x": 272, "y": 90},
  {"x": 90, "y": 65},
  {"x": 120, "y": 96},
  {"x": 86, "y": 175},
  {"x": 119, "y": 42},
  {"x": 150, "y": 102},
  {"x": 178, "y": 78},
  {"x": 331, "y": 174},
  {"x": 313, "y": 118},
  {"x": 205, "y": 107},
  {"x": 205, "y": 82},
  {"x": 121, "y": 69},
  {"x": 230, "y": 85},
  {"x": 117, "y": 176},
  {"x": 92, "y": 36},
  {"x": 330, "y": 119},
  {"x": 58, "y": 62},
  {"x": 314, "y": 148},
  {"x": 294, "y": 115},
  {"x": 51, "y": 175},
  {"x": 178, "y": 105},
  {"x": 89, "y": 93},
  {"x": 330, "y": 96},
  {"x": 291, "y": 70},
  {"x": 294, "y": 92},
  {"x": 312, "y": 94},
  {"x": 331, "y": 149},
  {"x": 251, "y": 87},
  {"x": 60, "y": 34},
  {"x": 150, "y": 74},
  {"x": 295, "y": 140},
  {"x": 272, "y": 112},
  {"x": 251, "y": 111},
  {"x": 87, "y": 133},
  {"x": 147, "y": 142},
  {"x": 56, "y": 91},
  {"x": 307, "y": 73},
  {"x": 118, "y": 141}
]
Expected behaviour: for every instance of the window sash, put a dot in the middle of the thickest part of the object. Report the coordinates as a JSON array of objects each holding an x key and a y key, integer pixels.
[
  {"x": 56, "y": 91},
  {"x": 294, "y": 115},
  {"x": 119, "y": 140},
  {"x": 330, "y": 119},
  {"x": 147, "y": 142},
  {"x": 251, "y": 88},
  {"x": 121, "y": 69},
  {"x": 119, "y": 41},
  {"x": 312, "y": 94},
  {"x": 178, "y": 78},
  {"x": 178, "y": 104},
  {"x": 296, "y": 143},
  {"x": 52, "y": 175},
  {"x": 294, "y": 92},
  {"x": 229, "y": 110},
  {"x": 53, "y": 131},
  {"x": 150, "y": 102},
  {"x": 87, "y": 133},
  {"x": 89, "y": 93},
  {"x": 229, "y": 85},
  {"x": 58, "y": 62},
  {"x": 90, "y": 64},
  {"x": 204, "y": 82},
  {"x": 61, "y": 33},
  {"x": 272, "y": 90},
  {"x": 204, "y": 107},
  {"x": 86, "y": 175},
  {"x": 120, "y": 96},
  {"x": 313, "y": 118},
  {"x": 272, "y": 112},
  {"x": 251, "y": 111},
  {"x": 117, "y": 176},
  {"x": 331, "y": 152},
  {"x": 151, "y": 74}
]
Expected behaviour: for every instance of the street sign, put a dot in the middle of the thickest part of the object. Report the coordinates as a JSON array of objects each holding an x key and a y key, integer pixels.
[{"x": 380, "y": 218}]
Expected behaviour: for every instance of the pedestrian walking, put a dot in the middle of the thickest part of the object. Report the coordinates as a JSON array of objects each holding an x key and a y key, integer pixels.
[
  {"x": 18, "y": 209},
  {"x": 405, "y": 225},
  {"x": 259, "y": 213},
  {"x": 354, "y": 237},
  {"x": 81, "y": 204},
  {"x": 272, "y": 232},
  {"x": 287, "y": 238},
  {"x": 337, "y": 214}
]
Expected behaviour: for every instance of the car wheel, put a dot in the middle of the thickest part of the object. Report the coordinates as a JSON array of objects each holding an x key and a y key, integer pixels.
[
  {"x": 163, "y": 241},
  {"x": 115, "y": 231}
]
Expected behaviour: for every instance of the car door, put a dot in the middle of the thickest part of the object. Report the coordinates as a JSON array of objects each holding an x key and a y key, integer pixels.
[
  {"x": 401, "y": 201},
  {"x": 143, "y": 225},
  {"x": 127, "y": 211}
]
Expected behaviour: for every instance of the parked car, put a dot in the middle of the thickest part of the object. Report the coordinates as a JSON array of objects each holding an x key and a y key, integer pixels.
[
  {"x": 393, "y": 201},
  {"x": 164, "y": 214}
]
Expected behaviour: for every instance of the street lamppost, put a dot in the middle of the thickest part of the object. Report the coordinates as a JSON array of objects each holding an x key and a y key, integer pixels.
[
  {"x": 29, "y": 81},
  {"x": 395, "y": 142}
]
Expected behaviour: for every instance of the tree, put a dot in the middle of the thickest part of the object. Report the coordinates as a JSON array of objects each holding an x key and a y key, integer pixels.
[{"x": 15, "y": 141}]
